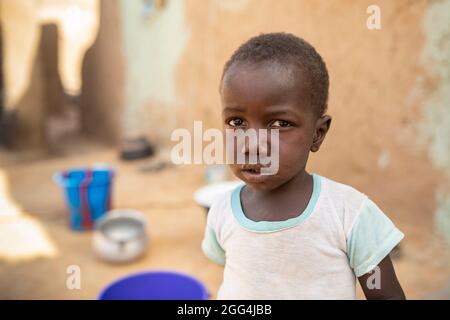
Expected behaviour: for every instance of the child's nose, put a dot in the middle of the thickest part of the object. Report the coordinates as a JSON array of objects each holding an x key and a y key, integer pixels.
[{"x": 260, "y": 146}]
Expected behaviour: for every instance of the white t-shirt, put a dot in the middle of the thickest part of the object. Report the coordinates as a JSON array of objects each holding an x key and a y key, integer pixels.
[{"x": 316, "y": 255}]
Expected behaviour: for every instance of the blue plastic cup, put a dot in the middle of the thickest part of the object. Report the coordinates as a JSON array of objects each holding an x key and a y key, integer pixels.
[
  {"x": 155, "y": 285},
  {"x": 87, "y": 193}
]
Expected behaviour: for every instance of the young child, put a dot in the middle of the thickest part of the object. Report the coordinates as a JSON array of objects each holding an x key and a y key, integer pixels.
[{"x": 292, "y": 235}]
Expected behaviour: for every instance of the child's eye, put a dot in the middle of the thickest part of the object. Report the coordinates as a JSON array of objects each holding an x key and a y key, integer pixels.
[
  {"x": 280, "y": 124},
  {"x": 235, "y": 122}
]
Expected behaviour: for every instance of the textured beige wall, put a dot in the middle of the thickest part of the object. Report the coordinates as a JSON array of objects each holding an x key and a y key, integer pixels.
[
  {"x": 435, "y": 123},
  {"x": 44, "y": 42},
  {"x": 103, "y": 80},
  {"x": 77, "y": 22}
]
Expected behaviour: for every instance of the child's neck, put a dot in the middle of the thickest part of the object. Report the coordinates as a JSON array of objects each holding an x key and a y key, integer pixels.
[{"x": 285, "y": 202}]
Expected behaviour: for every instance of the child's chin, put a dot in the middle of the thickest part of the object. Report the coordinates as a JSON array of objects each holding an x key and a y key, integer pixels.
[
  {"x": 260, "y": 187},
  {"x": 266, "y": 185}
]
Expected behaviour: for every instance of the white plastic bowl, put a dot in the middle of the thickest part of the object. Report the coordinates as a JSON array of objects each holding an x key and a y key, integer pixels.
[{"x": 205, "y": 196}]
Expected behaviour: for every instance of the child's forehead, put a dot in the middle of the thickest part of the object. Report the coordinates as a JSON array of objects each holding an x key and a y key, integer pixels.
[
  {"x": 270, "y": 70},
  {"x": 268, "y": 81}
]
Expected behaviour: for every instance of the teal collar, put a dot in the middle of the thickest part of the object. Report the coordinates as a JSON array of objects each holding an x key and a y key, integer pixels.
[{"x": 272, "y": 226}]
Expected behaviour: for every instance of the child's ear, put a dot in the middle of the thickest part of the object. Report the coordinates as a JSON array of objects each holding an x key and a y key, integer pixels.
[{"x": 322, "y": 127}]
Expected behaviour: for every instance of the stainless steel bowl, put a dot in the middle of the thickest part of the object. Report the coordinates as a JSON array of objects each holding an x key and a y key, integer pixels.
[{"x": 120, "y": 236}]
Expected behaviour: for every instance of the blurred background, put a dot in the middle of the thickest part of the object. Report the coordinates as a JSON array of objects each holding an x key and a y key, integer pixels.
[{"x": 84, "y": 82}]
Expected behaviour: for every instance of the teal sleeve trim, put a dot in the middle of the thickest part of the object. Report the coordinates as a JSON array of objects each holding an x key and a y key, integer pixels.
[
  {"x": 271, "y": 226},
  {"x": 211, "y": 248},
  {"x": 372, "y": 238}
]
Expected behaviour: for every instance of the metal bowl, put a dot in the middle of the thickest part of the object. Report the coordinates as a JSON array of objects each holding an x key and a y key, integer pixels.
[{"x": 120, "y": 236}]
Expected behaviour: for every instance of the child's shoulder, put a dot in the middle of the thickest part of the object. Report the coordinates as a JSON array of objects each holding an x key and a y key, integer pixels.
[
  {"x": 341, "y": 190},
  {"x": 346, "y": 200},
  {"x": 221, "y": 205}
]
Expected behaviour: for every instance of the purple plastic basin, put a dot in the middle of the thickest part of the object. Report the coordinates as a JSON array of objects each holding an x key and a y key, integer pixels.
[{"x": 155, "y": 285}]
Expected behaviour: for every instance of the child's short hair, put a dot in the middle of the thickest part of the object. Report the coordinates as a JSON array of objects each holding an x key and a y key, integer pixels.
[{"x": 285, "y": 48}]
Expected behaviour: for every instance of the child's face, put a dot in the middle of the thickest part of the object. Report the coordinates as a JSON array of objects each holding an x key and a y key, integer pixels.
[{"x": 269, "y": 96}]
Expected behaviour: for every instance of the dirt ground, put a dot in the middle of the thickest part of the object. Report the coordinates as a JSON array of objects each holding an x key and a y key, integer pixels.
[{"x": 176, "y": 225}]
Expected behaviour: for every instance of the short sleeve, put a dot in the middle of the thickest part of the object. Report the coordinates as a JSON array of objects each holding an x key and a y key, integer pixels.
[
  {"x": 211, "y": 248},
  {"x": 372, "y": 237}
]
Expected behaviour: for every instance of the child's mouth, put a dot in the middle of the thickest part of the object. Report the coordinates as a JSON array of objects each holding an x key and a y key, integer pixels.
[
  {"x": 251, "y": 169},
  {"x": 252, "y": 174}
]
